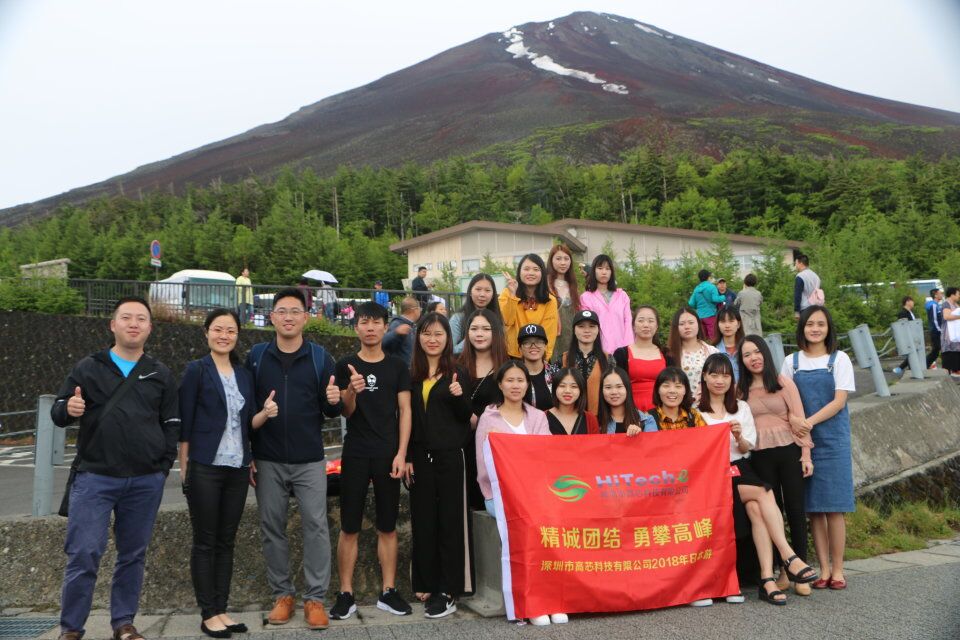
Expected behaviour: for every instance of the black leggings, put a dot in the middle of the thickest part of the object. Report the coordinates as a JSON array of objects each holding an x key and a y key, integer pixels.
[
  {"x": 216, "y": 496},
  {"x": 780, "y": 468}
]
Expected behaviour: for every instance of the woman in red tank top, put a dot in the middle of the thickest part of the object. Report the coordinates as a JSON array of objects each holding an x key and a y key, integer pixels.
[{"x": 645, "y": 358}]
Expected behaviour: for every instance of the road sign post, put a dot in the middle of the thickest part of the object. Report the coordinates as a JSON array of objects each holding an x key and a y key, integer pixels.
[{"x": 155, "y": 253}]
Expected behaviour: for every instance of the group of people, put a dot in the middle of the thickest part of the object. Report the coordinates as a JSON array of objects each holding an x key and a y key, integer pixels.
[
  {"x": 943, "y": 322},
  {"x": 538, "y": 358}
]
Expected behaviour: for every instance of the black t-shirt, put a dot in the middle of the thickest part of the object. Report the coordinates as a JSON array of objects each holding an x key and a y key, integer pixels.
[
  {"x": 373, "y": 429},
  {"x": 540, "y": 394},
  {"x": 485, "y": 393},
  {"x": 557, "y": 428},
  {"x": 286, "y": 359}
]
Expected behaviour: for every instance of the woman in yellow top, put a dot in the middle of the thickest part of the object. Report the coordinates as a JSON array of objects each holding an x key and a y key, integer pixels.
[{"x": 527, "y": 300}]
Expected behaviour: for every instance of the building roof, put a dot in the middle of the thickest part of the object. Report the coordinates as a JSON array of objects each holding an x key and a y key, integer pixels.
[
  {"x": 483, "y": 225},
  {"x": 663, "y": 231},
  {"x": 558, "y": 229}
]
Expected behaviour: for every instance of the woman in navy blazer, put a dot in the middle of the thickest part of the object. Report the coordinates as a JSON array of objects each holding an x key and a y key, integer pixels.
[{"x": 217, "y": 409}]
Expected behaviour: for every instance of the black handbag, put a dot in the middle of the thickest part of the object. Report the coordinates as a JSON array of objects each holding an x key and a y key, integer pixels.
[{"x": 127, "y": 384}]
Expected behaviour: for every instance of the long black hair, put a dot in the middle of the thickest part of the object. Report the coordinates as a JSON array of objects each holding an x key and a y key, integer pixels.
[
  {"x": 718, "y": 363},
  {"x": 420, "y": 365},
  {"x": 769, "y": 373},
  {"x": 596, "y": 350},
  {"x": 728, "y": 312},
  {"x": 574, "y": 373},
  {"x": 592, "y": 273},
  {"x": 630, "y": 413},
  {"x": 502, "y": 371},
  {"x": 542, "y": 291},
  {"x": 830, "y": 341},
  {"x": 494, "y": 305}
]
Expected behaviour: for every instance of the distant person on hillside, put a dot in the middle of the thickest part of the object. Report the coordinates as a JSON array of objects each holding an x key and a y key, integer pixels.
[
  {"x": 905, "y": 313},
  {"x": 748, "y": 301},
  {"x": 327, "y": 298},
  {"x": 934, "y": 311},
  {"x": 398, "y": 340},
  {"x": 806, "y": 286},
  {"x": 380, "y": 296},
  {"x": 950, "y": 340},
  {"x": 127, "y": 444},
  {"x": 244, "y": 296},
  {"x": 725, "y": 291},
  {"x": 704, "y": 299},
  {"x": 306, "y": 291},
  {"x": 422, "y": 289}
]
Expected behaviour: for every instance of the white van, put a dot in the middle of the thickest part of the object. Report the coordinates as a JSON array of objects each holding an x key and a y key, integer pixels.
[{"x": 194, "y": 292}]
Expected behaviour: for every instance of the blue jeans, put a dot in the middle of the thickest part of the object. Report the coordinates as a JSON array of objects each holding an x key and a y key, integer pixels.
[
  {"x": 134, "y": 502},
  {"x": 488, "y": 504}
]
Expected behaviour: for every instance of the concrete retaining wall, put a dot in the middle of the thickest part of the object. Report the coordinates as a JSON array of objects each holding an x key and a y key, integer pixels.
[
  {"x": 32, "y": 560},
  {"x": 918, "y": 424}
]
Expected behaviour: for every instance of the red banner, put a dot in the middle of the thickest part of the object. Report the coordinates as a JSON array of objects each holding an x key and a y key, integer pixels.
[{"x": 613, "y": 523}]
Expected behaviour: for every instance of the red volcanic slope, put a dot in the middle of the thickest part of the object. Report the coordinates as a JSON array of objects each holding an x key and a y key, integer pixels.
[{"x": 583, "y": 68}]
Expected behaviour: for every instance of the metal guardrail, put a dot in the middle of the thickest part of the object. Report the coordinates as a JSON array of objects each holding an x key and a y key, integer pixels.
[
  {"x": 50, "y": 447},
  {"x": 192, "y": 300}
]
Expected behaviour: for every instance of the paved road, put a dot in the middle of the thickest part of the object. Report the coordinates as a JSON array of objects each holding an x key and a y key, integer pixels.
[{"x": 912, "y": 595}]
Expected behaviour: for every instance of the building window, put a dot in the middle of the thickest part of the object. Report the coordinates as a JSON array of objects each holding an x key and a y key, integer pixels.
[{"x": 471, "y": 266}]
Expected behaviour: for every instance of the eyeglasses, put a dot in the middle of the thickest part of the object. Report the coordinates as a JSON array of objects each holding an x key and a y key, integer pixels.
[
  {"x": 533, "y": 343},
  {"x": 293, "y": 313},
  {"x": 219, "y": 331}
]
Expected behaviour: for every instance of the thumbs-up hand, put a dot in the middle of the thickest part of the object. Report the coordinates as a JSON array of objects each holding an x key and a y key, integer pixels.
[
  {"x": 511, "y": 282},
  {"x": 270, "y": 407},
  {"x": 75, "y": 405},
  {"x": 455, "y": 389},
  {"x": 333, "y": 391},
  {"x": 357, "y": 382}
]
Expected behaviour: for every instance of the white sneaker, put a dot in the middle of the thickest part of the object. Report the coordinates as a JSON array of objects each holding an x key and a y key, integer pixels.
[
  {"x": 737, "y": 599},
  {"x": 705, "y": 602},
  {"x": 540, "y": 621},
  {"x": 559, "y": 618}
]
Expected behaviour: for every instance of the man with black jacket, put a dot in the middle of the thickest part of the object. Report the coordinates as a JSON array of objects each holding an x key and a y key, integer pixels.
[
  {"x": 124, "y": 457},
  {"x": 289, "y": 458}
]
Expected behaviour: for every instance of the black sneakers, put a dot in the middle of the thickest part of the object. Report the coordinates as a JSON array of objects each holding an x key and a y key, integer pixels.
[
  {"x": 391, "y": 601},
  {"x": 345, "y": 607},
  {"x": 439, "y": 605}
]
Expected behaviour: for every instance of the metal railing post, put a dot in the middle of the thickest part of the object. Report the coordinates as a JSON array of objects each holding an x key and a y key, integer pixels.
[
  {"x": 775, "y": 342},
  {"x": 866, "y": 354},
  {"x": 43, "y": 458},
  {"x": 919, "y": 348},
  {"x": 907, "y": 346}
]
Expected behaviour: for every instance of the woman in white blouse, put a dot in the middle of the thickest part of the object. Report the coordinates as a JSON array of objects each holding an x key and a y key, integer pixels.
[{"x": 718, "y": 404}]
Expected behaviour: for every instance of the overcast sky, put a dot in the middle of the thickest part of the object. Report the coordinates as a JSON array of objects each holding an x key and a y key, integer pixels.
[{"x": 94, "y": 88}]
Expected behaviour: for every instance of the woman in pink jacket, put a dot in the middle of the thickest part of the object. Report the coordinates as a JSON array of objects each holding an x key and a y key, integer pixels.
[
  {"x": 510, "y": 414},
  {"x": 612, "y": 305}
]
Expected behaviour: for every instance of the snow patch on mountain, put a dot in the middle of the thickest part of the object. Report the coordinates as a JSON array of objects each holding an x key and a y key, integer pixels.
[
  {"x": 614, "y": 42},
  {"x": 647, "y": 29},
  {"x": 773, "y": 81},
  {"x": 546, "y": 63}
]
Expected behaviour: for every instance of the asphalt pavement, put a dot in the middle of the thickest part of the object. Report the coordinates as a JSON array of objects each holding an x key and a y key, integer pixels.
[{"x": 902, "y": 596}]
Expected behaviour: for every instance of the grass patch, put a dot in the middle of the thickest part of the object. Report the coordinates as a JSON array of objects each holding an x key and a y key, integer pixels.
[{"x": 904, "y": 527}]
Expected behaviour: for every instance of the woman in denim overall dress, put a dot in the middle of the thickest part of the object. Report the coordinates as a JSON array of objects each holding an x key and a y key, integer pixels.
[{"x": 824, "y": 377}]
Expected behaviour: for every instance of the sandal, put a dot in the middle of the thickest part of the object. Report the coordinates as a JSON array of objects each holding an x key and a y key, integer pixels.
[
  {"x": 771, "y": 596},
  {"x": 820, "y": 584},
  {"x": 837, "y": 585},
  {"x": 807, "y": 574}
]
